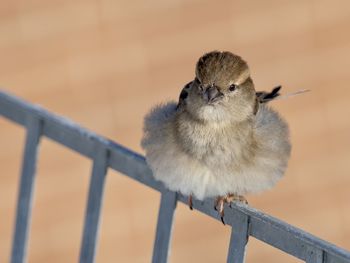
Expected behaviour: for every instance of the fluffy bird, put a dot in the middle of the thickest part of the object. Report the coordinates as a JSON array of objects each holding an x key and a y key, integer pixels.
[{"x": 220, "y": 139}]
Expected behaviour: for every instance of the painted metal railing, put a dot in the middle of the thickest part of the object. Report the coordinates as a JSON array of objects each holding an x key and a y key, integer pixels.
[{"x": 244, "y": 220}]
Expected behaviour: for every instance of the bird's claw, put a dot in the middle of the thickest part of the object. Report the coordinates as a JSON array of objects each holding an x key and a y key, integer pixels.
[
  {"x": 229, "y": 199},
  {"x": 222, "y": 220},
  {"x": 219, "y": 206},
  {"x": 190, "y": 202}
]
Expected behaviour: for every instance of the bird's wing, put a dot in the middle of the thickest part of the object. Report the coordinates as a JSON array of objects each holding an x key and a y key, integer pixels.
[
  {"x": 264, "y": 96},
  {"x": 183, "y": 95}
]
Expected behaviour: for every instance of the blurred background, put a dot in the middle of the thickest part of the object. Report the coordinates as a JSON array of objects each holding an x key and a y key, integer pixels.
[{"x": 104, "y": 63}]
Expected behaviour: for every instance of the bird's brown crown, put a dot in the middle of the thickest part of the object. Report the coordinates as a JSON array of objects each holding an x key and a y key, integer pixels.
[{"x": 222, "y": 69}]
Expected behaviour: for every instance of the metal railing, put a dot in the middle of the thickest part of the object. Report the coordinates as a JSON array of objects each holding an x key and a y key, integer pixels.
[{"x": 244, "y": 220}]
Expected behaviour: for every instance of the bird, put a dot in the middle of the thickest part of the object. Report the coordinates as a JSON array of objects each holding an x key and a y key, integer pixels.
[{"x": 220, "y": 139}]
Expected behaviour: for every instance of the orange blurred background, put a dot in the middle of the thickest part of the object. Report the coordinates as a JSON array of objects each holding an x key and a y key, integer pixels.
[{"x": 104, "y": 63}]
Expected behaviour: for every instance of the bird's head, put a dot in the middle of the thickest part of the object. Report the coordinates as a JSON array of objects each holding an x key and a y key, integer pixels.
[{"x": 222, "y": 89}]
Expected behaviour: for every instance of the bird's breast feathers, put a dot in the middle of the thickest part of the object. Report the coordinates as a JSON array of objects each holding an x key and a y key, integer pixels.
[{"x": 215, "y": 160}]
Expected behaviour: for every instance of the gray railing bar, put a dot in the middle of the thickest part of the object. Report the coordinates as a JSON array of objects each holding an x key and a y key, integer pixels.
[
  {"x": 274, "y": 232},
  {"x": 239, "y": 239},
  {"x": 286, "y": 237},
  {"x": 25, "y": 197},
  {"x": 93, "y": 210},
  {"x": 164, "y": 227},
  {"x": 263, "y": 227},
  {"x": 314, "y": 255},
  {"x": 64, "y": 131}
]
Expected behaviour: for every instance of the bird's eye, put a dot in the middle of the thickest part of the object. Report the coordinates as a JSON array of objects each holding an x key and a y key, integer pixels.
[{"x": 232, "y": 87}]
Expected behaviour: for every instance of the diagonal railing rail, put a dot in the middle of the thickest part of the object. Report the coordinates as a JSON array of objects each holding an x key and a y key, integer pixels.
[{"x": 244, "y": 220}]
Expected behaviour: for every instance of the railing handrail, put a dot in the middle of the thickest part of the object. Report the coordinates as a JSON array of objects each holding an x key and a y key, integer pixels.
[{"x": 245, "y": 220}]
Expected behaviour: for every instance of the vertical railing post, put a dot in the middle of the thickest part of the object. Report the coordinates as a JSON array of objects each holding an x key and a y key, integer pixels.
[
  {"x": 25, "y": 196},
  {"x": 239, "y": 239},
  {"x": 93, "y": 210},
  {"x": 164, "y": 227}
]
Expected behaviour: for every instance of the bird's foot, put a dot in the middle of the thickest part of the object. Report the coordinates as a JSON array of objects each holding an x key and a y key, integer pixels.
[
  {"x": 190, "y": 202},
  {"x": 228, "y": 199}
]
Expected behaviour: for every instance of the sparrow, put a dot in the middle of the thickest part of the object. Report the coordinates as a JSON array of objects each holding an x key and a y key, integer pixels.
[{"x": 220, "y": 139}]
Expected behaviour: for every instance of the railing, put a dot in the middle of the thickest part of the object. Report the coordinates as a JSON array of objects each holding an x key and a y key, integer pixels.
[{"x": 244, "y": 220}]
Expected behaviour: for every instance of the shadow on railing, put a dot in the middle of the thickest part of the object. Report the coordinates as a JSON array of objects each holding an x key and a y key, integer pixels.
[{"x": 245, "y": 221}]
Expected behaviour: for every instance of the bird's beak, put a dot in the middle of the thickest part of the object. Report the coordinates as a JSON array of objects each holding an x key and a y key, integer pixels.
[{"x": 212, "y": 94}]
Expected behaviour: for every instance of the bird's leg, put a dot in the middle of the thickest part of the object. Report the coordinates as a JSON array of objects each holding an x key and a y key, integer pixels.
[
  {"x": 190, "y": 202},
  {"x": 229, "y": 199}
]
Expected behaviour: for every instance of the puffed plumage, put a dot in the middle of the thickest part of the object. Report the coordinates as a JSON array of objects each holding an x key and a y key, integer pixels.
[{"x": 220, "y": 138}]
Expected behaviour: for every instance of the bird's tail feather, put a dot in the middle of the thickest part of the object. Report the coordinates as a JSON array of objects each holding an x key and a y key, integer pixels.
[
  {"x": 292, "y": 94},
  {"x": 264, "y": 97}
]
